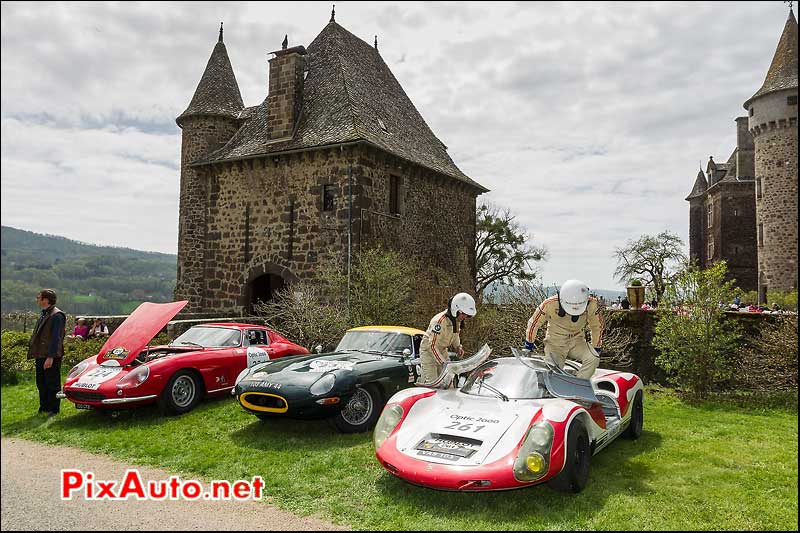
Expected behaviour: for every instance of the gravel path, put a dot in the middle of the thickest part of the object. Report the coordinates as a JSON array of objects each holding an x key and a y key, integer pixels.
[{"x": 31, "y": 498}]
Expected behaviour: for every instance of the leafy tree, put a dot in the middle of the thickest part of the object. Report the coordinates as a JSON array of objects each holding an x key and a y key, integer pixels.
[
  {"x": 695, "y": 342},
  {"x": 384, "y": 288},
  {"x": 502, "y": 251},
  {"x": 652, "y": 257}
]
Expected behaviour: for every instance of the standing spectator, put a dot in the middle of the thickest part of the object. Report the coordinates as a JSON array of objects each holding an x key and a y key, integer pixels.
[
  {"x": 625, "y": 304},
  {"x": 737, "y": 301},
  {"x": 47, "y": 348},
  {"x": 99, "y": 329},
  {"x": 653, "y": 303}
]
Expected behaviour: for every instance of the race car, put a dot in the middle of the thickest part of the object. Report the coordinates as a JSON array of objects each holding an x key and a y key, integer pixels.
[
  {"x": 348, "y": 386},
  {"x": 204, "y": 360},
  {"x": 515, "y": 422}
]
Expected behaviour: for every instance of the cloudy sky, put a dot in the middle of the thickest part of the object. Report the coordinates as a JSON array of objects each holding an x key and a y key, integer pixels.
[{"x": 588, "y": 120}]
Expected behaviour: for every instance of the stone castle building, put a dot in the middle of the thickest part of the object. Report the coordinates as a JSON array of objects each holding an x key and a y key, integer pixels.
[
  {"x": 745, "y": 210},
  {"x": 336, "y": 158}
]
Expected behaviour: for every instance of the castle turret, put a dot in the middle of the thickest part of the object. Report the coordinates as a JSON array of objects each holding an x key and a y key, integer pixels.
[
  {"x": 696, "y": 201},
  {"x": 208, "y": 123},
  {"x": 773, "y": 124}
]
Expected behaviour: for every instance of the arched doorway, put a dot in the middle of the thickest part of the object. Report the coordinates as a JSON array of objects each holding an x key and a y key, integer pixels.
[{"x": 262, "y": 289}]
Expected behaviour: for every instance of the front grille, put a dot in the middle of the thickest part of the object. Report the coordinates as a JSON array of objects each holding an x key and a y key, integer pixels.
[
  {"x": 85, "y": 396},
  {"x": 268, "y": 401},
  {"x": 263, "y": 402}
]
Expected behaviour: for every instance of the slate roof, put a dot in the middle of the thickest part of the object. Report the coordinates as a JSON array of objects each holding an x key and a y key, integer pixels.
[
  {"x": 700, "y": 186},
  {"x": 349, "y": 95},
  {"x": 217, "y": 93},
  {"x": 782, "y": 73}
]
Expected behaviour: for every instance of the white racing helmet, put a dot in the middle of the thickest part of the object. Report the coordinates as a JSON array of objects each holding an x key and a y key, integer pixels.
[
  {"x": 462, "y": 302},
  {"x": 574, "y": 296}
]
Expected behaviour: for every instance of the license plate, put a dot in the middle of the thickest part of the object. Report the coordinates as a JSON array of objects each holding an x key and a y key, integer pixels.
[
  {"x": 450, "y": 447},
  {"x": 82, "y": 406}
]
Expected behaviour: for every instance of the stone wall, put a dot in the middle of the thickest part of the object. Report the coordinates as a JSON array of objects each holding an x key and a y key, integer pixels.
[
  {"x": 774, "y": 127},
  {"x": 266, "y": 216},
  {"x": 201, "y": 135},
  {"x": 641, "y": 324},
  {"x": 737, "y": 244}
]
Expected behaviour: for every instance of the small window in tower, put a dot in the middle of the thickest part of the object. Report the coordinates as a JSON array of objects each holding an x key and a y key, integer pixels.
[
  {"x": 710, "y": 214},
  {"x": 792, "y": 100},
  {"x": 735, "y": 250},
  {"x": 752, "y": 110},
  {"x": 760, "y": 233},
  {"x": 382, "y": 125},
  {"x": 711, "y": 248},
  {"x": 328, "y": 196},
  {"x": 736, "y": 211},
  {"x": 394, "y": 195},
  {"x": 758, "y": 187}
]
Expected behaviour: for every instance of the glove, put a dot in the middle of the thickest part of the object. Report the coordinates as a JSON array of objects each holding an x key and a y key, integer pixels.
[{"x": 530, "y": 346}]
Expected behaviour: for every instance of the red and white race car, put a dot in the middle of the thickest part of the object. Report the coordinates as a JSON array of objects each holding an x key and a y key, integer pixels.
[
  {"x": 204, "y": 360},
  {"x": 515, "y": 422}
]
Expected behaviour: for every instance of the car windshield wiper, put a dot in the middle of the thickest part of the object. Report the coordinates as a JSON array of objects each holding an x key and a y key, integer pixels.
[
  {"x": 499, "y": 394},
  {"x": 189, "y": 342}
]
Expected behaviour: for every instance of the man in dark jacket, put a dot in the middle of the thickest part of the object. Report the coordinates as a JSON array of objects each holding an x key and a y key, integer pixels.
[{"x": 47, "y": 348}]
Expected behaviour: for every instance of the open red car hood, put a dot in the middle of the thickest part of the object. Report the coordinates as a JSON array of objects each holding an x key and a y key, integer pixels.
[{"x": 137, "y": 330}]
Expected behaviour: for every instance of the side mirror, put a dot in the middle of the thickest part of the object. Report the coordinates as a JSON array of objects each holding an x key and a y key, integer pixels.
[
  {"x": 318, "y": 348},
  {"x": 406, "y": 353}
]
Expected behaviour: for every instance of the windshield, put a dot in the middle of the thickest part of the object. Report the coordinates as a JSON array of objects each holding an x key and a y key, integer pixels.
[
  {"x": 509, "y": 377},
  {"x": 381, "y": 341},
  {"x": 209, "y": 337}
]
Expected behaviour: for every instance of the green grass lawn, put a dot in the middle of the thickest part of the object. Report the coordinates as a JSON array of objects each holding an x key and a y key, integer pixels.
[{"x": 705, "y": 466}]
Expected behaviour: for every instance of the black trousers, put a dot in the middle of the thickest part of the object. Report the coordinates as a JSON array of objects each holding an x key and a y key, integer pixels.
[{"x": 49, "y": 383}]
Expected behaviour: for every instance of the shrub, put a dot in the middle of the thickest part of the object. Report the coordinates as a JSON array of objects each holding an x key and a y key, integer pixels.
[
  {"x": 694, "y": 341},
  {"x": 636, "y": 282},
  {"x": 768, "y": 362},
  {"x": 384, "y": 288},
  {"x": 13, "y": 353}
]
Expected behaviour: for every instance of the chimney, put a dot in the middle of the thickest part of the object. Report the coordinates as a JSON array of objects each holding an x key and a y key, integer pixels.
[
  {"x": 745, "y": 150},
  {"x": 285, "y": 98}
]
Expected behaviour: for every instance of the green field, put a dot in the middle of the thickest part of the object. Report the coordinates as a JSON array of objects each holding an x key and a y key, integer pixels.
[{"x": 704, "y": 466}]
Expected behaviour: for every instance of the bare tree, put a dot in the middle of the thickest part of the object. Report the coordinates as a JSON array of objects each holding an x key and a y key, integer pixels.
[
  {"x": 502, "y": 250},
  {"x": 654, "y": 258}
]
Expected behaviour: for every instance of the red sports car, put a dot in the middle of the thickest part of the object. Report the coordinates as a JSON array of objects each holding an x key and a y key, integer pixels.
[{"x": 204, "y": 360}]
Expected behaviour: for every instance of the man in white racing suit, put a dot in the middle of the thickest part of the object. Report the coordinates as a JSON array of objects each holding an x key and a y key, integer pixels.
[
  {"x": 444, "y": 332},
  {"x": 567, "y": 315}
]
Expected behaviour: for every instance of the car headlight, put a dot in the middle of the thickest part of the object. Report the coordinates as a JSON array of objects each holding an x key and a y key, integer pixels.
[
  {"x": 243, "y": 374},
  {"x": 386, "y": 423},
  {"x": 323, "y": 385},
  {"x": 77, "y": 369},
  {"x": 134, "y": 378},
  {"x": 533, "y": 459}
]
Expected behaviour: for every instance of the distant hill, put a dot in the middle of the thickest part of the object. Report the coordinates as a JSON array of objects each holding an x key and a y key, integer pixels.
[{"x": 88, "y": 279}]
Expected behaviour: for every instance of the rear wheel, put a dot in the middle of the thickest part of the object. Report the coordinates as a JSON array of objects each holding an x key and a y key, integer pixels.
[
  {"x": 361, "y": 411},
  {"x": 182, "y": 393},
  {"x": 575, "y": 475},
  {"x": 636, "y": 424}
]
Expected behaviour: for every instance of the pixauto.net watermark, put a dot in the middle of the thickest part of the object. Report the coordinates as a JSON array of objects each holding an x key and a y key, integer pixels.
[{"x": 77, "y": 484}]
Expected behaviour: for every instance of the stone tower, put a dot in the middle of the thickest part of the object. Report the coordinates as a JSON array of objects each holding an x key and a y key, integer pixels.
[
  {"x": 773, "y": 124},
  {"x": 208, "y": 123},
  {"x": 334, "y": 160},
  {"x": 697, "y": 232}
]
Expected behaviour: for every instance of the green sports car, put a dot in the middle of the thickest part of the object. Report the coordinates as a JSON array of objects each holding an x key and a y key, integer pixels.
[{"x": 348, "y": 386}]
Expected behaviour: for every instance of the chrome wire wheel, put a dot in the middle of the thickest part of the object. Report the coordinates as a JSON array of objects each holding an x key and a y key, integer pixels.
[
  {"x": 358, "y": 409},
  {"x": 183, "y": 391}
]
